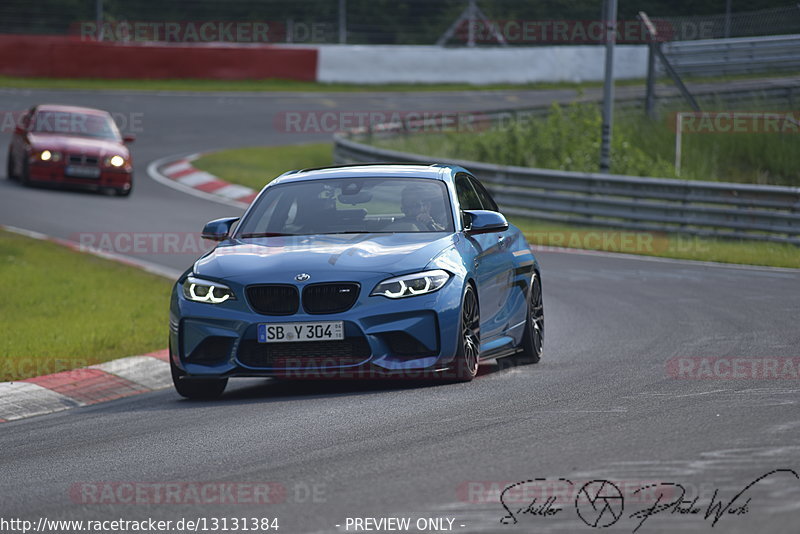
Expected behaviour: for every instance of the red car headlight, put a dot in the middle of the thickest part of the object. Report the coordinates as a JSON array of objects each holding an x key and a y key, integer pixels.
[
  {"x": 115, "y": 161},
  {"x": 47, "y": 156}
]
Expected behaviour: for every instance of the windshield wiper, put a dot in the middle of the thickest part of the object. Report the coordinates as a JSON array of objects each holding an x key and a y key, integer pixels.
[
  {"x": 359, "y": 232},
  {"x": 264, "y": 234},
  {"x": 346, "y": 232}
]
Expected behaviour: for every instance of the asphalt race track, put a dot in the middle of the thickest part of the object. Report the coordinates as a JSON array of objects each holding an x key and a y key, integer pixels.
[{"x": 602, "y": 404}]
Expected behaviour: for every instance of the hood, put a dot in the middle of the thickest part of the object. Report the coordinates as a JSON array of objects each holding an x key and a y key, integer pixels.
[
  {"x": 83, "y": 145},
  {"x": 324, "y": 257}
]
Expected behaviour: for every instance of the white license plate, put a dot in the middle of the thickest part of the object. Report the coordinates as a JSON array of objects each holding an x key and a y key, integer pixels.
[
  {"x": 82, "y": 171},
  {"x": 292, "y": 332}
]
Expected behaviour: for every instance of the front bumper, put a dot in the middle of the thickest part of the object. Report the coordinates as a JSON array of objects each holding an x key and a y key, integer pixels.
[
  {"x": 411, "y": 337},
  {"x": 54, "y": 174}
]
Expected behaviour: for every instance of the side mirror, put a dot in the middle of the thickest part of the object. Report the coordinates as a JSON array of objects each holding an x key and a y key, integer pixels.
[
  {"x": 128, "y": 138},
  {"x": 21, "y": 125},
  {"x": 484, "y": 222},
  {"x": 218, "y": 229}
]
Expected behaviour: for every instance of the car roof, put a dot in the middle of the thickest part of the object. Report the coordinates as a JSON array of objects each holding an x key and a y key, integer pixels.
[
  {"x": 69, "y": 109},
  {"x": 434, "y": 171}
]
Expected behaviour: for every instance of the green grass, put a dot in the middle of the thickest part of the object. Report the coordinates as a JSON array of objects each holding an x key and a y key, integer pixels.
[
  {"x": 659, "y": 244},
  {"x": 250, "y": 166},
  {"x": 257, "y": 166},
  {"x": 271, "y": 85},
  {"x": 568, "y": 138},
  {"x": 70, "y": 309}
]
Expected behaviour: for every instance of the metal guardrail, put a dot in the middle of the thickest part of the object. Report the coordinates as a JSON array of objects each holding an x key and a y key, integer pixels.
[
  {"x": 718, "y": 57},
  {"x": 709, "y": 209}
]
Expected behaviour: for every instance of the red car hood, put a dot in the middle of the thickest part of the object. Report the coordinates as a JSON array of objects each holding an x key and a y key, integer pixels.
[{"x": 83, "y": 145}]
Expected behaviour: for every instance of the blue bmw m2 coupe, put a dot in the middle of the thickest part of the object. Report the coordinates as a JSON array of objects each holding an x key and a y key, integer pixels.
[{"x": 353, "y": 272}]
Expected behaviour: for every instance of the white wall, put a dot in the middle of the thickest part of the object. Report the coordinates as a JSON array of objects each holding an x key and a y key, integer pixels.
[{"x": 433, "y": 64}]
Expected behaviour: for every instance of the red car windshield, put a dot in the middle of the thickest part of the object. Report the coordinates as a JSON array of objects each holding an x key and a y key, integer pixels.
[{"x": 71, "y": 123}]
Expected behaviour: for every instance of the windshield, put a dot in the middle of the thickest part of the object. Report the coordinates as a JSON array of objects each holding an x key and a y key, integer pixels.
[
  {"x": 350, "y": 205},
  {"x": 71, "y": 123}
]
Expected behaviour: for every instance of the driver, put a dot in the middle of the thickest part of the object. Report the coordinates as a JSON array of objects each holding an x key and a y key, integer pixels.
[{"x": 417, "y": 209}]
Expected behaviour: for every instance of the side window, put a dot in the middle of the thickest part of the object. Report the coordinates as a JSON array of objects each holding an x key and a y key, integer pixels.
[
  {"x": 467, "y": 197},
  {"x": 486, "y": 199}
]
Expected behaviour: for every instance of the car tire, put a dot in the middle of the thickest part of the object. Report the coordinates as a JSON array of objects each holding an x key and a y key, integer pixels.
[
  {"x": 122, "y": 192},
  {"x": 10, "y": 168},
  {"x": 25, "y": 177},
  {"x": 196, "y": 388},
  {"x": 533, "y": 336},
  {"x": 469, "y": 340}
]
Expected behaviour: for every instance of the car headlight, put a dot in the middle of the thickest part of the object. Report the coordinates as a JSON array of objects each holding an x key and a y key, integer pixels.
[
  {"x": 411, "y": 285},
  {"x": 207, "y": 291},
  {"x": 49, "y": 155},
  {"x": 115, "y": 161}
]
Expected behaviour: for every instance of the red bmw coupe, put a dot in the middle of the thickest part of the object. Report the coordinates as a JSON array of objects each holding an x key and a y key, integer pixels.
[{"x": 74, "y": 146}]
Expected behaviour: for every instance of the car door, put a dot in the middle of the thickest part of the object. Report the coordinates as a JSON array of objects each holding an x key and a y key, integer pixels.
[
  {"x": 491, "y": 264},
  {"x": 513, "y": 289}
]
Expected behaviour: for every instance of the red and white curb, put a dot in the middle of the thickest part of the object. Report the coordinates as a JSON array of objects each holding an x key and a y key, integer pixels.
[
  {"x": 85, "y": 386},
  {"x": 182, "y": 171},
  {"x": 103, "y": 382}
]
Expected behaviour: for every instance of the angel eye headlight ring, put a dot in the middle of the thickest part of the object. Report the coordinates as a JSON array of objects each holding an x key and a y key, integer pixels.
[
  {"x": 411, "y": 285},
  {"x": 198, "y": 290}
]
